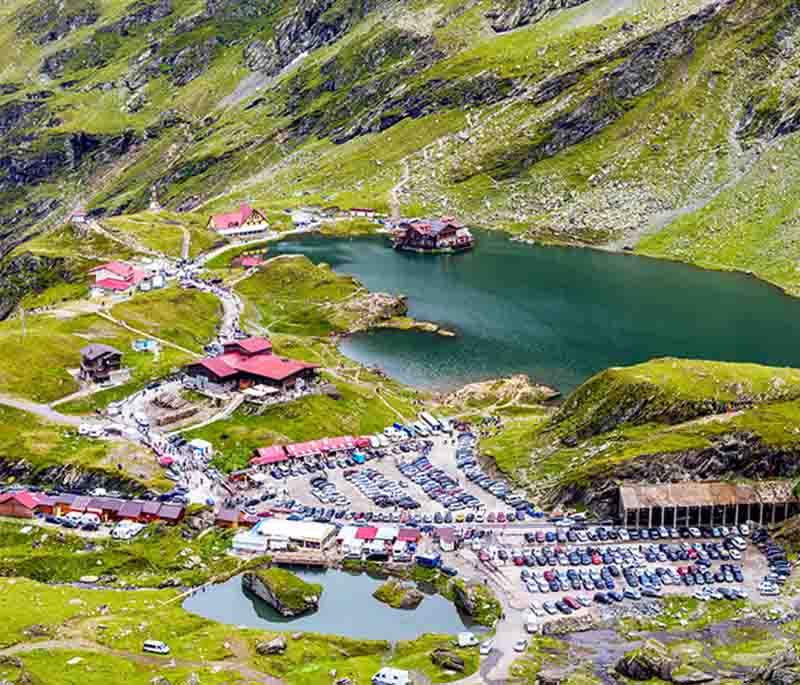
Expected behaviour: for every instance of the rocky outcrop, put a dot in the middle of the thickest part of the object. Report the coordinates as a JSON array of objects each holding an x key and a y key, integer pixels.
[
  {"x": 432, "y": 96},
  {"x": 517, "y": 13},
  {"x": 51, "y": 20},
  {"x": 782, "y": 669},
  {"x": 448, "y": 660},
  {"x": 399, "y": 594},
  {"x": 272, "y": 647},
  {"x": 311, "y": 25},
  {"x": 640, "y": 67},
  {"x": 181, "y": 67},
  {"x": 570, "y": 624},
  {"x": 283, "y": 591},
  {"x": 651, "y": 660},
  {"x": 21, "y": 167},
  {"x": 17, "y": 114},
  {"x": 739, "y": 455},
  {"x": 66, "y": 477},
  {"x": 27, "y": 273},
  {"x": 476, "y": 600}
]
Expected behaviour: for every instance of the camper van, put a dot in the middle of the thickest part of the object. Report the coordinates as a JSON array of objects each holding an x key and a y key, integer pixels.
[{"x": 155, "y": 646}]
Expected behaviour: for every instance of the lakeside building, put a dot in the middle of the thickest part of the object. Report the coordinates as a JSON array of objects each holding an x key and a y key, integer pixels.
[
  {"x": 432, "y": 235},
  {"x": 99, "y": 363},
  {"x": 281, "y": 534},
  {"x": 707, "y": 504},
  {"x": 249, "y": 362},
  {"x": 246, "y": 221}
]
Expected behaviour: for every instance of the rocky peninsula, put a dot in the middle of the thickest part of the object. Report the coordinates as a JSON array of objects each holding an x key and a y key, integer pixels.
[{"x": 283, "y": 591}]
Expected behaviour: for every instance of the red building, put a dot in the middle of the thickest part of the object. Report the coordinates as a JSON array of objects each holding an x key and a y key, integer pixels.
[
  {"x": 19, "y": 504},
  {"x": 249, "y": 362},
  {"x": 242, "y": 222},
  {"x": 432, "y": 235}
]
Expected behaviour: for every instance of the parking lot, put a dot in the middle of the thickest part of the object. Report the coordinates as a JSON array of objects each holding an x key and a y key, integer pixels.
[
  {"x": 551, "y": 578},
  {"x": 435, "y": 479}
]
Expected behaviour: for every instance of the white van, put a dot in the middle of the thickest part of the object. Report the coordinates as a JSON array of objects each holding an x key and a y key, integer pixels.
[{"x": 155, "y": 646}]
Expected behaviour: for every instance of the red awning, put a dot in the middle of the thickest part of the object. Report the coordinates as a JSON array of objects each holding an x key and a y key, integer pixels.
[
  {"x": 408, "y": 535},
  {"x": 366, "y": 533},
  {"x": 269, "y": 455}
]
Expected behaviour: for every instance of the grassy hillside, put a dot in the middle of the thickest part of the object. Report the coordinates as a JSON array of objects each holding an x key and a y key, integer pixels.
[
  {"x": 667, "y": 125},
  {"x": 663, "y": 420}
]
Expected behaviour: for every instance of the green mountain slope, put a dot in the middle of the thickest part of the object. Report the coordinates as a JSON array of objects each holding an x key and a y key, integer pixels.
[
  {"x": 666, "y": 420},
  {"x": 600, "y": 121}
]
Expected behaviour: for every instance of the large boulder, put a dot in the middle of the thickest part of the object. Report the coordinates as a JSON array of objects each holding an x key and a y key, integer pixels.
[
  {"x": 272, "y": 647},
  {"x": 447, "y": 660},
  {"x": 651, "y": 660}
]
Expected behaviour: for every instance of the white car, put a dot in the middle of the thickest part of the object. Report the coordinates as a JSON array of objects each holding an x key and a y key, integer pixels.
[
  {"x": 694, "y": 532},
  {"x": 768, "y": 589},
  {"x": 155, "y": 646},
  {"x": 702, "y": 595},
  {"x": 520, "y": 645},
  {"x": 486, "y": 647}
]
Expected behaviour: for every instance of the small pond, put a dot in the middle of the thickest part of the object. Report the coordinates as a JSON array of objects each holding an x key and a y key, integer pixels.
[{"x": 347, "y": 608}]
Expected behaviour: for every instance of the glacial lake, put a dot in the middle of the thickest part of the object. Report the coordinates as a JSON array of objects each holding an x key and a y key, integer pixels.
[
  {"x": 347, "y": 608},
  {"x": 558, "y": 314}
]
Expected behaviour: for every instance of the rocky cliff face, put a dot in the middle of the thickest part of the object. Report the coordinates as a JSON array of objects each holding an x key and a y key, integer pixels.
[
  {"x": 27, "y": 273},
  {"x": 67, "y": 478},
  {"x": 507, "y": 16}
]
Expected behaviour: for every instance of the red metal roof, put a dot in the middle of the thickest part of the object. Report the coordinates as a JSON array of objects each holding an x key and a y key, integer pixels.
[
  {"x": 113, "y": 284},
  {"x": 270, "y": 366},
  {"x": 254, "y": 345},
  {"x": 217, "y": 366},
  {"x": 26, "y": 499},
  {"x": 250, "y": 261},
  {"x": 233, "y": 219},
  {"x": 120, "y": 269}
]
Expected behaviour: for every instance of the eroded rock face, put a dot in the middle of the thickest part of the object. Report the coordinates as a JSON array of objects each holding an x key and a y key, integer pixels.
[
  {"x": 447, "y": 660},
  {"x": 310, "y": 26},
  {"x": 570, "y": 624},
  {"x": 28, "y": 273},
  {"x": 651, "y": 660},
  {"x": 517, "y": 13},
  {"x": 255, "y": 583}
]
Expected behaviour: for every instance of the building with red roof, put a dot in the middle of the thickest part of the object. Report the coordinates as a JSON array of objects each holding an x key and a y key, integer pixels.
[
  {"x": 19, "y": 504},
  {"x": 432, "y": 235},
  {"x": 116, "y": 277},
  {"x": 248, "y": 261},
  {"x": 244, "y": 221},
  {"x": 249, "y": 362}
]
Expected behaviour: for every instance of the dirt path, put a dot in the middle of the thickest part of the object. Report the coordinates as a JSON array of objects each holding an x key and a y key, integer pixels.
[
  {"x": 145, "y": 334},
  {"x": 394, "y": 193},
  {"x": 238, "y": 664},
  {"x": 126, "y": 241}
]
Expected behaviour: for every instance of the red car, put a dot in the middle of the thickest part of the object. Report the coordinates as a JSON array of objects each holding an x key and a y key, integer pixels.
[
  {"x": 597, "y": 559},
  {"x": 571, "y": 603},
  {"x": 549, "y": 576},
  {"x": 490, "y": 517},
  {"x": 539, "y": 537},
  {"x": 501, "y": 517},
  {"x": 483, "y": 555},
  {"x": 518, "y": 561}
]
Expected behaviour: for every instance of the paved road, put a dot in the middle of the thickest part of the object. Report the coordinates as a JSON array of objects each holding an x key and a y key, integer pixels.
[{"x": 42, "y": 411}]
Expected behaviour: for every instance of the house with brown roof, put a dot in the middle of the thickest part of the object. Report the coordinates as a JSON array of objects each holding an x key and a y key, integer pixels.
[
  {"x": 99, "y": 362},
  {"x": 240, "y": 223}
]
